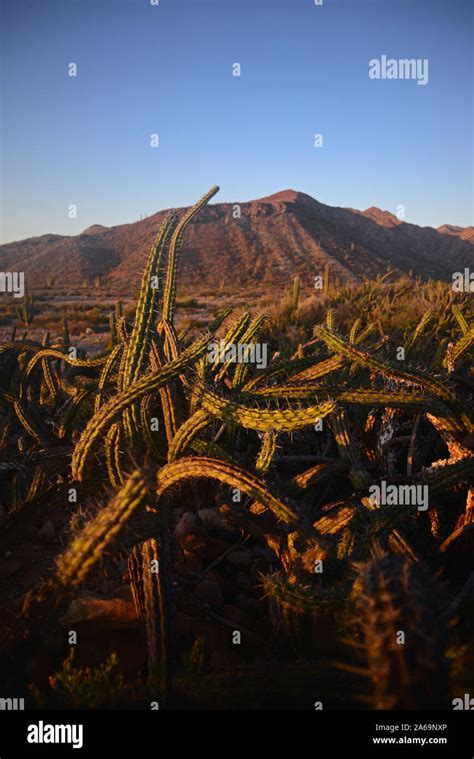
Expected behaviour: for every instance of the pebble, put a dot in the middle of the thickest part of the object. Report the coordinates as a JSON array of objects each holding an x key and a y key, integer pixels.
[
  {"x": 212, "y": 520},
  {"x": 189, "y": 524}
]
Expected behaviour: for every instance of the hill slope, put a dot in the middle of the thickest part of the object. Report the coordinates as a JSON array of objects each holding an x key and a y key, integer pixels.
[{"x": 275, "y": 238}]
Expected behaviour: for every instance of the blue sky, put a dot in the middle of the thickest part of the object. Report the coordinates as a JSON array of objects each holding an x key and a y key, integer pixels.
[{"x": 167, "y": 69}]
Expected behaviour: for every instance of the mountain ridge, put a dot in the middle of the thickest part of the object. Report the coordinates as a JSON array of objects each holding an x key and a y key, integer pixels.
[{"x": 265, "y": 240}]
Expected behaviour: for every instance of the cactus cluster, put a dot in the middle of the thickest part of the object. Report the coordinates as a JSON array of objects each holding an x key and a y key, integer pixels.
[{"x": 301, "y": 442}]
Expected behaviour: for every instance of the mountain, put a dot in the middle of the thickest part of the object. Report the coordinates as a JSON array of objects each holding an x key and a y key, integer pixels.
[{"x": 273, "y": 239}]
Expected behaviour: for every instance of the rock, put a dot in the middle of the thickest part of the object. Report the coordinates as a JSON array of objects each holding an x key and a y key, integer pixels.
[
  {"x": 215, "y": 548},
  {"x": 9, "y": 568},
  {"x": 209, "y": 592},
  {"x": 189, "y": 524},
  {"x": 47, "y": 532},
  {"x": 212, "y": 520},
  {"x": 240, "y": 558},
  {"x": 192, "y": 564},
  {"x": 110, "y": 613},
  {"x": 222, "y": 659},
  {"x": 195, "y": 544}
]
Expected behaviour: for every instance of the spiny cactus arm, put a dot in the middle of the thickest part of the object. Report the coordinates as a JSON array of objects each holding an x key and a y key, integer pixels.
[
  {"x": 369, "y": 397},
  {"x": 75, "y": 563},
  {"x": 330, "y": 319},
  {"x": 279, "y": 369},
  {"x": 137, "y": 348},
  {"x": 320, "y": 473},
  {"x": 113, "y": 456},
  {"x": 106, "y": 374},
  {"x": 109, "y": 412},
  {"x": 187, "y": 433},
  {"x": 397, "y": 542},
  {"x": 37, "y": 483},
  {"x": 296, "y": 598},
  {"x": 67, "y": 421},
  {"x": 49, "y": 377},
  {"x": 281, "y": 420},
  {"x": 354, "y": 329},
  {"x": 447, "y": 474},
  {"x": 267, "y": 451},
  {"x": 171, "y": 348},
  {"x": 290, "y": 392},
  {"x": 461, "y": 319},
  {"x": 320, "y": 369},
  {"x": 249, "y": 338},
  {"x": 336, "y": 518},
  {"x": 168, "y": 394},
  {"x": 51, "y": 353},
  {"x": 211, "y": 450},
  {"x": 425, "y": 319},
  {"x": 347, "y": 447},
  {"x": 220, "y": 319},
  {"x": 234, "y": 334},
  {"x": 336, "y": 343},
  {"x": 29, "y": 422},
  {"x": 461, "y": 346},
  {"x": 197, "y": 466},
  {"x": 393, "y": 595},
  {"x": 153, "y": 437},
  {"x": 169, "y": 296}
]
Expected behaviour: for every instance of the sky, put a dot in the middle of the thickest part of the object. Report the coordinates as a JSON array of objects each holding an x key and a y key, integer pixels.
[{"x": 167, "y": 69}]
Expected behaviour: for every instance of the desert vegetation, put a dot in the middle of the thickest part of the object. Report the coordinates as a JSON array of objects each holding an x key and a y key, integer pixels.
[{"x": 237, "y": 503}]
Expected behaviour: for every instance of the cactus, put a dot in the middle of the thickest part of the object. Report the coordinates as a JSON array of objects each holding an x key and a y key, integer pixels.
[
  {"x": 267, "y": 451},
  {"x": 119, "y": 403},
  {"x": 403, "y": 635},
  {"x": 75, "y": 563},
  {"x": 137, "y": 350},
  {"x": 27, "y": 310},
  {"x": 169, "y": 297},
  {"x": 190, "y": 467},
  {"x": 152, "y": 590},
  {"x": 327, "y": 278},
  {"x": 264, "y": 420},
  {"x": 304, "y": 496},
  {"x": 295, "y": 294},
  {"x": 294, "y": 598},
  {"x": 66, "y": 340}
]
